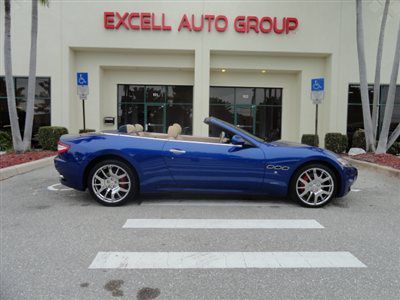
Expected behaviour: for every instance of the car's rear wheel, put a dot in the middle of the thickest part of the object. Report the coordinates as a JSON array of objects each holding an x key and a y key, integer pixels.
[
  {"x": 313, "y": 185},
  {"x": 112, "y": 182}
]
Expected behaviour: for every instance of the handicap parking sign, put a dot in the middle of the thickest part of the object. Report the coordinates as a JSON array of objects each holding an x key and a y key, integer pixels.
[
  {"x": 317, "y": 84},
  {"x": 82, "y": 79}
]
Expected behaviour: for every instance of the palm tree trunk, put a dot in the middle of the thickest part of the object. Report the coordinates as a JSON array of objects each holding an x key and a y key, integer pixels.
[
  {"x": 377, "y": 82},
  {"x": 12, "y": 109},
  {"x": 32, "y": 78},
  {"x": 369, "y": 135},
  {"x": 383, "y": 139},
  {"x": 393, "y": 137}
]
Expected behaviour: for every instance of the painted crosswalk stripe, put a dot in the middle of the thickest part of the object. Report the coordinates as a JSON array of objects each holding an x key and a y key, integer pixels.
[
  {"x": 224, "y": 260},
  {"x": 223, "y": 223},
  {"x": 217, "y": 202}
]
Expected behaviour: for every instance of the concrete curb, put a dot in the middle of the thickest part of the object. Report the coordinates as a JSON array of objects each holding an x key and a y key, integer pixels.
[
  {"x": 371, "y": 166},
  {"x": 25, "y": 167}
]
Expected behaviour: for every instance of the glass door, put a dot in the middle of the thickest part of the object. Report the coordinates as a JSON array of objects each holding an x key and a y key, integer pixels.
[
  {"x": 155, "y": 106},
  {"x": 244, "y": 117},
  {"x": 244, "y": 112},
  {"x": 155, "y": 117},
  {"x": 257, "y": 110}
]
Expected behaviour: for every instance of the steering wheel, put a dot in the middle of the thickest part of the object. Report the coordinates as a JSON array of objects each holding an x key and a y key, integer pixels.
[{"x": 221, "y": 137}]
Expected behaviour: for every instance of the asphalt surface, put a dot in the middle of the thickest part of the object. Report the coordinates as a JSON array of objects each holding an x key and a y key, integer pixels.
[{"x": 50, "y": 237}]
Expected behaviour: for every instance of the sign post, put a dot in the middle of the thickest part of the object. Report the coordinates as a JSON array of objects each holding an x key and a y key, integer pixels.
[
  {"x": 317, "y": 95},
  {"x": 82, "y": 83}
]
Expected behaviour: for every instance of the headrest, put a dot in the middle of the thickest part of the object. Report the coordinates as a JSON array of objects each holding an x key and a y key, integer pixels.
[
  {"x": 139, "y": 128},
  {"x": 178, "y": 127},
  {"x": 128, "y": 128},
  {"x": 173, "y": 132}
]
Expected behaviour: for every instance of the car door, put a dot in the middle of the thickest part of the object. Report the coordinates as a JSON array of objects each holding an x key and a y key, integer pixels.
[{"x": 214, "y": 166}]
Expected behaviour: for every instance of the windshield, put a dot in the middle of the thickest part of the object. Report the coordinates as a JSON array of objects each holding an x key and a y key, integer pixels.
[{"x": 243, "y": 131}]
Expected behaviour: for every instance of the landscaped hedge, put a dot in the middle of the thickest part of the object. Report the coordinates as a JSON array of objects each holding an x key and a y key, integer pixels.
[
  {"x": 394, "y": 149},
  {"x": 358, "y": 140},
  {"x": 48, "y": 136},
  {"x": 5, "y": 141},
  {"x": 336, "y": 142},
  {"x": 309, "y": 139},
  {"x": 86, "y": 130}
]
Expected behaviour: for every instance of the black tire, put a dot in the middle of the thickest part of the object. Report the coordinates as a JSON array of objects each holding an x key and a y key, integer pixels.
[
  {"x": 131, "y": 175},
  {"x": 293, "y": 194}
]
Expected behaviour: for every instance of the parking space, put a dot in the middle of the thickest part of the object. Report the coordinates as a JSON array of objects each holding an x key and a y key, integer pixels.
[{"x": 58, "y": 243}]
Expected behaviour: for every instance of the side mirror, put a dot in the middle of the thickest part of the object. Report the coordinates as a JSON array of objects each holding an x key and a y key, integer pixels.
[{"x": 238, "y": 140}]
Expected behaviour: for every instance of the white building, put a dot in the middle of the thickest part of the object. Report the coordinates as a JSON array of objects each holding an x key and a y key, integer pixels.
[{"x": 153, "y": 63}]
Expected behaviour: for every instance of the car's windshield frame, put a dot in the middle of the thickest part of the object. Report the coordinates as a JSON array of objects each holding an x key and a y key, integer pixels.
[{"x": 244, "y": 132}]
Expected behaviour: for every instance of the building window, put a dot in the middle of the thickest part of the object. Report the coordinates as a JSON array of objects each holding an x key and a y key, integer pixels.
[
  {"x": 257, "y": 110},
  {"x": 396, "y": 109},
  {"x": 42, "y": 105},
  {"x": 354, "y": 109},
  {"x": 156, "y": 106}
]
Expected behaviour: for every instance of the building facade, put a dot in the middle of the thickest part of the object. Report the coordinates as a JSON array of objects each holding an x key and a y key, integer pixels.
[{"x": 157, "y": 63}]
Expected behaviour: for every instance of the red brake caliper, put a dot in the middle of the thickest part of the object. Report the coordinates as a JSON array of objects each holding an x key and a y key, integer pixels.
[
  {"x": 302, "y": 185},
  {"x": 123, "y": 185}
]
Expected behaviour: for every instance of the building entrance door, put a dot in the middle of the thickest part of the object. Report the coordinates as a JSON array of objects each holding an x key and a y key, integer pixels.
[
  {"x": 156, "y": 107},
  {"x": 256, "y": 110},
  {"x": 244, "y": 117},
  {"x": 155, "y": 117}
]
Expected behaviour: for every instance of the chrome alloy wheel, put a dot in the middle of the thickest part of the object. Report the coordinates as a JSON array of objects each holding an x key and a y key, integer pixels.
[
  {"x": 111, "y": 183},
  {"x": 315, "y": 186}
]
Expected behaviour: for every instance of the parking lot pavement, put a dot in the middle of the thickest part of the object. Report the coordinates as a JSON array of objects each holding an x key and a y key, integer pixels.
[{"x": 57, "y": 243}]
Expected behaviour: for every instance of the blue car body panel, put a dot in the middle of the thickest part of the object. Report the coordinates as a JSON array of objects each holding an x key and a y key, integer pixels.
[{"x": 259, "y": 168}]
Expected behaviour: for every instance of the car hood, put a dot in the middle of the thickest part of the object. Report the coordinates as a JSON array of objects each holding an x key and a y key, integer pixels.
[{"x": 287, "y": 144}]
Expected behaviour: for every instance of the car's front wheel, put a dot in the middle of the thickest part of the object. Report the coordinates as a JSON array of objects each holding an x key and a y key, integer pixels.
[
  {"x": 112, "y": 182},
  {"x": 313, "y": 185}
]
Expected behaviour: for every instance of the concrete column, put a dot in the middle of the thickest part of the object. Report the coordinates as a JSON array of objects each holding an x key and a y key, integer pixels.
[{"x": 201, "y": 91}]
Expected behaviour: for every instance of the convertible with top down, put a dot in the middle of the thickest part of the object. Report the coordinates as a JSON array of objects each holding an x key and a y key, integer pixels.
[{"x": 117, "y": 165}]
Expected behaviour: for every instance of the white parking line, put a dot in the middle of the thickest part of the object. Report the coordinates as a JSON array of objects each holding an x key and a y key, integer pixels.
[
  {"x": 223, "y": 223},
  {"x": 58, "y": 187},
  {"x": 224, "y": 260}
]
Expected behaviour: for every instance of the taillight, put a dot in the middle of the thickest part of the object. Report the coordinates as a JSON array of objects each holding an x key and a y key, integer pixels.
[{"x": 62, "y": 148}]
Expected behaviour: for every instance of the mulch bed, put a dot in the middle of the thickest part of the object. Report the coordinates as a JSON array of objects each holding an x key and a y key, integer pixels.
[
  {"x": 12, "y": 159},
  {"x": 388, "y": 160}
]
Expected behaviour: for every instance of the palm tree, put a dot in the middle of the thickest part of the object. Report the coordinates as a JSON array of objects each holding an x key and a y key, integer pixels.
[
  {"x": 12, "y": 109},
  {"x": 394, "y": 136},
  {"x": 369, "y": 134},
  {"x": 19, "y": 144},
  {"x": 377, "y": 82},
  {"x": 383, "y": 144}
]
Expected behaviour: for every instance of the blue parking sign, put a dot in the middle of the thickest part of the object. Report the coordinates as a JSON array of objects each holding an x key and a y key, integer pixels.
[
  {"x": 82, "y": 79},
  {"x": 317, "y": 84}
]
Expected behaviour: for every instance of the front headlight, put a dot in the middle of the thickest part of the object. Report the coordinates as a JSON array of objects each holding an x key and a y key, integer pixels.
[{"x": 343, "y": 162}]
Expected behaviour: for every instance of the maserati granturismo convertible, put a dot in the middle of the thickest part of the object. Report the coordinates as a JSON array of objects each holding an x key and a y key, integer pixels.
[{"x": 118, "y": 165}]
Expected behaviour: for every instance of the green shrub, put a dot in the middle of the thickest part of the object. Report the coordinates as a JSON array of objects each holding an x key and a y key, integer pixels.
[
  {"x": 309, "y": 139},
  {"x": 48, "y": 136},
  {"x": 86, "y": 130},
  {"x": 336, "y": 142},
  {"x": 5, "y": 141},
  {"x": 358, "y": 140},
  {"x": 394, "y": 149}
]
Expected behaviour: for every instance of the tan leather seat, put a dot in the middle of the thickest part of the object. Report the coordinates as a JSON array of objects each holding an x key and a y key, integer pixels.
[
  {"x": 128, "y": 128},
  {"x": 179, "y": 127},
  {"x": 173, "y": 132},
  {"x": 131, "y": 129},
  {"x": 139, "y": 128}
]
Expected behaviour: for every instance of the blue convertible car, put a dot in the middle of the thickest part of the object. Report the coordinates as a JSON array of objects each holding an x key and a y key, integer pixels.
[{"x": 118, "y": 165}]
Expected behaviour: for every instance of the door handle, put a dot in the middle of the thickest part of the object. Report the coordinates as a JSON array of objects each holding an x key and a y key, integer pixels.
[{"x": 177, "y": 151}]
